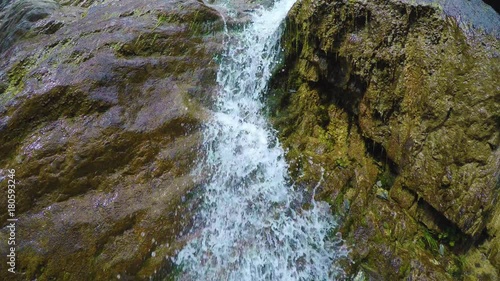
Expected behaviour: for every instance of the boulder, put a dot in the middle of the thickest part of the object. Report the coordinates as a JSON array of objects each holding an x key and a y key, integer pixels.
[
  {"x": 100, "y": 110},
  {"x": 397, "y": 102}
]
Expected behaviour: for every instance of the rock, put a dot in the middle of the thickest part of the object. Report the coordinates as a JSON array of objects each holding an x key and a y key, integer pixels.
[
  {"x": 100, "y": 108},
  {"x": 400, "y": 93},
  {"x": 493, "y": 230},
  {"x": 404, "y": 197},
  {"x": 18, "y": 17},
  {"x": 382, "y": 193}
]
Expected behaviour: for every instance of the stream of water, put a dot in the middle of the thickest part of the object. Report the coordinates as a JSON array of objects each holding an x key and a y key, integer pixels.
[{"x": 253, "y": 225}]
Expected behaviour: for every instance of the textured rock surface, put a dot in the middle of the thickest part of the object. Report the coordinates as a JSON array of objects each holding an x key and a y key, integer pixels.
[
  {"x": 100, "y": 106},
  {"x": 396, "y": 105}
]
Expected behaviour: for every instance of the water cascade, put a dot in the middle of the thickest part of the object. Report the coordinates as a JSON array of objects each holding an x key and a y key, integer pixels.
[{"x": 253, "y": 225}]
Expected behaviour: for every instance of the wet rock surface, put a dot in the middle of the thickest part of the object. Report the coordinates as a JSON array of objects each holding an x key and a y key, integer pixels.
[
  {"x": 394, "y": 104},
  {"x": 100, "y": 108}
]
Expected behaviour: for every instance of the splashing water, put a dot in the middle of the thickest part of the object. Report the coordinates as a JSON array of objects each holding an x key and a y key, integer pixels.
[{"x": 252, "y": 224}]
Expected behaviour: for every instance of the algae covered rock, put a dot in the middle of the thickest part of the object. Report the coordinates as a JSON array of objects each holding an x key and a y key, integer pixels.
[
  {"x": 395, "y": 104},
  {"x": 18, "y": 17},
  {"x": 100, "y": 108}
]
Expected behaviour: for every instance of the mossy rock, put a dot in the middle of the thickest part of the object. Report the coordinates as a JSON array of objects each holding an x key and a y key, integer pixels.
[
  {"x": 395, "y": 100},
  {"x": 101, "y": 119}
]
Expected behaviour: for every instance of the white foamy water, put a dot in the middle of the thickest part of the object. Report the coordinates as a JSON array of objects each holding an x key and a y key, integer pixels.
[{"x": 251, "y": 224}]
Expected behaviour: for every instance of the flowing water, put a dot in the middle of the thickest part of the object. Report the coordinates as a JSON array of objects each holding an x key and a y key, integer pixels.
[{"x": 253, "y": 226}]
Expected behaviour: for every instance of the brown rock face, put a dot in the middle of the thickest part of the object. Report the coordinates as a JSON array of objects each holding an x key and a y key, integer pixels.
[
  {"x": 399, "y": 104},
  {"x": 100, "y": 107}
]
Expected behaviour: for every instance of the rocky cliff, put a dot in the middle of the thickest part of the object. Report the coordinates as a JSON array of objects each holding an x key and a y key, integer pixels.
[{"x": 393, "y": 107}]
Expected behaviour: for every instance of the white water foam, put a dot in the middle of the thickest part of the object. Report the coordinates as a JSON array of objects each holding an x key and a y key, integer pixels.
[{"x": 253, "y": 226}]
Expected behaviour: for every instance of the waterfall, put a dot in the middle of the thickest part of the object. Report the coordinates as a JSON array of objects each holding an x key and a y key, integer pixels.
[{"x": 252, "y": 222}]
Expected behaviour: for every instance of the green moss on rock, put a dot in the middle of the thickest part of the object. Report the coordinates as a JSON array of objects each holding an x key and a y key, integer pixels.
[
  {"x": 396, "y": 103},
  {"x": 100, "y": 118}
]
